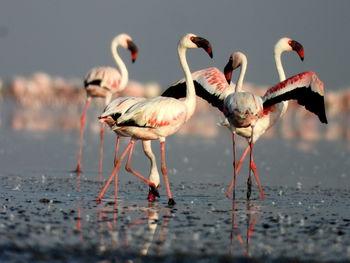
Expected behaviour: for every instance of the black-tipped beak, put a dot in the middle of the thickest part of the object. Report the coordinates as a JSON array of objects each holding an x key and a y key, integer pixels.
[
  {"x": 297, "y": 47},
  {"x": 133, "y": 49},
  {"x": 203, "y": 43},
  {"x": 228, "y": 70}
]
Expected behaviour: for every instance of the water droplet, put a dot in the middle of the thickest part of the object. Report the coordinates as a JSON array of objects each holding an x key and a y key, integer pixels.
[{"x": 299, "y": 185}]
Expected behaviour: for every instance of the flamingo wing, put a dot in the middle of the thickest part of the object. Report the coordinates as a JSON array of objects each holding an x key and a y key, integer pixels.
[
  {"x": 210, "y": 85},
  {"x": 105, "y": 77},
  {"x": 153, "y": 113},
  {"x": 304, "y": 87},
  {"x": 120, "y": 105}
]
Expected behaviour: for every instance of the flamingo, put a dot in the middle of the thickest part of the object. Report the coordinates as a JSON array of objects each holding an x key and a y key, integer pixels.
[
  {"x": 159, "y": 117},
  {"x": 104, "y": 82},
  {"x": 110, "y": 116},
  {"x": 215, "y": 87}
]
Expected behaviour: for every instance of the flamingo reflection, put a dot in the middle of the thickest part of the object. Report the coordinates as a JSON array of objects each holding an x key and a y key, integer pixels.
[
  {"x": 251, "y": 216},
  {"x": 78, "y": 220},
  {"x": 151, "y": 226}
]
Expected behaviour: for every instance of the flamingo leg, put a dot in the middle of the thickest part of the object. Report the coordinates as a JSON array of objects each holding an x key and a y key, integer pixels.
[
  {"x": 256, "y": 175},
  {"x": 102, "y": 133},
  {"x": 130, "y": 170},
  {"x": 249, "y": 181},
  {"x": 116, "y": 150},
  {"x": 238, "y": 167},
  {"x": 171, "y": 201},
  {"x": 115, "y": 171},
  {"x": 154, "y": 176},
  {"x": 81, "y": 136},
  {"x": 234, "y": 167}
]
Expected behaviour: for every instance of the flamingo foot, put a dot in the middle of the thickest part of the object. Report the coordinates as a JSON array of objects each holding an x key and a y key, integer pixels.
[
  {"x": 153, "y": 193},
  {"x": 77, "y": 170},
  {"x": 171, "y": 202},
  {"x": 249, "y": 188}
]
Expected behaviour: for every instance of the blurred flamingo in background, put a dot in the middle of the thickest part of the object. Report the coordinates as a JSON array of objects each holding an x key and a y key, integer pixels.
[
  {"x": 104, "y": 82},
  {"x": 157, "y": 118}
]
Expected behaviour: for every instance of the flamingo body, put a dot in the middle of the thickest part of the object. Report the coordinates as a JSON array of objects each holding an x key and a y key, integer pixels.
[
  {"x": 102, "y": 82},
  {"x": 154, "y": 118},
  {"x": 242, "y": 108}
]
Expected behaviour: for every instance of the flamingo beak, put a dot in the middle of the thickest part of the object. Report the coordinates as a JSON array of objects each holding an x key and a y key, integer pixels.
[
  {"x": 205, "y": 44},
  {"x": 297, "y": 47},
  {"x": 153, "y": 193},
  {"x": 133, "y": 49},
  {"x": 228, "y": 70}
]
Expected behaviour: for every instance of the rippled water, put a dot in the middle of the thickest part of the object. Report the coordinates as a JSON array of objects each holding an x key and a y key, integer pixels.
[{"x": 47, "y": 213}]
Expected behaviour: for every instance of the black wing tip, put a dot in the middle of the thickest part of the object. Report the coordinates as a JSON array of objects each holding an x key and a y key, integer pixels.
[{"x": 323, "y": 118}]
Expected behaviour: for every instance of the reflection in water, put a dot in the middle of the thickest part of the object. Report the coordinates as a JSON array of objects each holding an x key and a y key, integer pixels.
[
  {"x": 46, "y": 103},
  {"x": 139, "y": 227},
  {"x": 78, "y": 223},
  {"x": 241, "y": 209}
]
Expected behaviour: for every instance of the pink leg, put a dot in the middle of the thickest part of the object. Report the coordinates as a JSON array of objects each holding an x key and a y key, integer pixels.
[
  {"x": 82, "y": 124},
  {"x": 256, "y": 175},
  {"x": 116, "y": 182},
  {"x": 252, "y": 166},
  {"x": 102, "y": 133},
  {"x": 239, "y": 165},
  {"x": 128, "y": 168},
  {"x": 115, "y": 170},
  {"x": 116, "y": 150},
  {"x": 249, "y": 181},
  {"x": 234, "y": 166},
  {"x": 171, "y": 201}
]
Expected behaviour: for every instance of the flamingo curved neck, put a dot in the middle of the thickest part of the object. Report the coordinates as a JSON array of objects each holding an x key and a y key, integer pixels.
[
  {"x": 190, "y": 99},
  {"x": 282, "y": 76},
  {"x": 242, "y": 72},
  {"x": 280, "y": 70},
  {"x": 122, "y": 68}
]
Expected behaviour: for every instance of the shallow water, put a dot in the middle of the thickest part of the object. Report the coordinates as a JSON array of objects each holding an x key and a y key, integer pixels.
[{"x": 48, "y": 213}]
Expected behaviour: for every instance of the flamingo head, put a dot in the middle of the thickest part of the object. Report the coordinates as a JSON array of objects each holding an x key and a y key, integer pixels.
[
  {"x": 235, "y": 61},
  {"x": 228, "y": 70},
  {"x": 126, "y": 42},
  {"x": 193, "y": 41},
  {"x": 153, "y": 193},
  {"x": 288, "y": 44}
]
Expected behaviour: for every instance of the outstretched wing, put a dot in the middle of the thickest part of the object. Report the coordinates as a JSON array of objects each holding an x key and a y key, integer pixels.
[
  {"x": 304, "y": 87},
  {"x": 210, "y": 85}
]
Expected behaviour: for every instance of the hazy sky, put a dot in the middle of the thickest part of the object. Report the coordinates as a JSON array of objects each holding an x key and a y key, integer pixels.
[{"x": 68, "y": 37}]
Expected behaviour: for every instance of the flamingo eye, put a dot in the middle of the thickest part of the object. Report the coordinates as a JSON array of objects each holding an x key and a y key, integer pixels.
[
  {"x": 290, "y": 42},
  {"x": 192, "y": 38}
]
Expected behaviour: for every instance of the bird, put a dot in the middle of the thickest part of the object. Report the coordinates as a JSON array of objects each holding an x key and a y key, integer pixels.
[
  {"x": 110, "y": 116},
  {"x": 159, "y": 117},
  {"x": 103, "y": 82},
  {"x": 242, "y": 109},
  {"x": 214, "y": 86}
]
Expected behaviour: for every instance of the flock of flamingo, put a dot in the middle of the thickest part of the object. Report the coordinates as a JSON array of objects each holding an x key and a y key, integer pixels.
[
  {"x": 146, "y": 119},
  {"x": 140, "y": 115}
]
